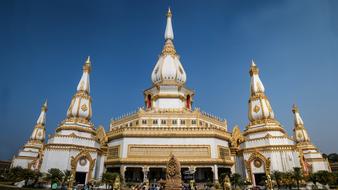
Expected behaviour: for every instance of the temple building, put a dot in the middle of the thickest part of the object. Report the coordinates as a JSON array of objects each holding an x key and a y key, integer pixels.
[{"x": 138, "y": 145}]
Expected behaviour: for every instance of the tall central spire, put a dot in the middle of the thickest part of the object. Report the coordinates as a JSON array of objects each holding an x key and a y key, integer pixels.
[
  {"x": 260, "y": 109},
  {"x": 168, "y": 77},
  {"x": 80, "y": 106},
  {"x": 168, "y": 69}
]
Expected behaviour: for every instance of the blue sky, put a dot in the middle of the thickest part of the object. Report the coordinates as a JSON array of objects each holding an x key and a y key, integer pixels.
[{"x": 43, "y": 45}]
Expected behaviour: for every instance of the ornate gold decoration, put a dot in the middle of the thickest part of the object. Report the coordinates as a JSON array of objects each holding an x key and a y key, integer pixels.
[
  {"x": 236, "y": 137},
  {"x": 163, "y": 151},
  {"x": 224, "y": 152},
  {"x": 254, "y": 157},
  {"x": 254, "y": 70},
  {"x": 173, "y": 177},
  {"x": 84, "y": 107},
  {"x": 168, "y": 48},
  {"x": 257, "y": 163},
  {"x": 113, "y": 152},
  {"x": 256, "y": 109},
  {"x": 180, "y": 132},
  {"x": 84, "y": 154},
  {"x": 101, "y": 135},
  {"x": 163, "y": 161}
]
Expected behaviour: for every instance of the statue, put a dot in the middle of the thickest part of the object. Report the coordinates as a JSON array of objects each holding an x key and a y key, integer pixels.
[
  {"x": 268, "y": 182},
  {"x": 227, "y": 183},
  {"x": 173, "y": 176},
  {"x": 117, "y": 183}
]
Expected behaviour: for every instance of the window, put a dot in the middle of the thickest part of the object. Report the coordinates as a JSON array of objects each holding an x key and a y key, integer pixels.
[
  {"x": 130, "y": 124},
  {"x": 224, "y": 152},
  {"x": 155, "y": 122},
  {"x": 144, "y": 122},
  {"x": 182, "y": 122},
  {"x": 193, "y": 122},
  {"x": 137, "y": 122},
  {"x": 174, "y": 122},
  {"x": 201, "y": 123},
  {"x": 163, "y": 122}
]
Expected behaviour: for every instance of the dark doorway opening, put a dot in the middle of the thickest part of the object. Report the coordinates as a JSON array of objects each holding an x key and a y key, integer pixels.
[
  {"x": 80, "y": 177},
  {"x": 259, "y": 179},
  {"x": 156, "y": 174}
]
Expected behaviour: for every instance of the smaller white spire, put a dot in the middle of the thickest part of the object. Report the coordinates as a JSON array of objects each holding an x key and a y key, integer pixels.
[
  {"x": 42, "y": 117},
  {"x": 297, "y": 118},
  {"x": 169, "y": 33}
]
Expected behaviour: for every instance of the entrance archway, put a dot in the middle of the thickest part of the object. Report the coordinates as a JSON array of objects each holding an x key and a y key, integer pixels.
[{"x": 82, "y": 167}]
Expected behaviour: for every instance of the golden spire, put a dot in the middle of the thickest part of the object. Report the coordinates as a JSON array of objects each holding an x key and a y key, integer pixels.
[
  {"x": 169, "y": 12},
  {"x": 87, "y": 65},
  {"x": 253, "y": 69},
  {"x": 295, "y": 108},
  {"x": 44, "y": 106}
]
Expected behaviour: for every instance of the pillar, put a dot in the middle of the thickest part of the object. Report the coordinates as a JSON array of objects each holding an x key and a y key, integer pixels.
[
  {"x": 215, "y": 171},
  {"x": 145, "y": 170},
  {"x": 122, "y": 173}
]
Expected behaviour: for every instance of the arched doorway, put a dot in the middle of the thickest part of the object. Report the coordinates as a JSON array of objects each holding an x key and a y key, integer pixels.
[
  {"x": 82, "y": 167},
  {"x": 258, "y": 166}
]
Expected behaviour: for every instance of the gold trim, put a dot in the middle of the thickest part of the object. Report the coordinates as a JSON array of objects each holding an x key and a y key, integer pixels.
[
  {"x": 76, "y": 128},
  {"x": 172, "y": 132},
  {"x": 269, "y": 148},
  {"x": 83, "y": 154},
  {"x": 170, "y": 149},
  {"x": 163, "y": 161},
  {"x": 257, "y": 156}
]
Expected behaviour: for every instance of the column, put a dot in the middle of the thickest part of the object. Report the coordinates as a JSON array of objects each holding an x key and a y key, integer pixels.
[
  {"x": 215, "y": 171},
  {"x": 145, "y": 170},
  {"x": 122, "y": 173}
]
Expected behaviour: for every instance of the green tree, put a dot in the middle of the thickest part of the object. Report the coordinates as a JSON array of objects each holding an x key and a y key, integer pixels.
[
  {"x": 54, "y": 175},
  {"x": 108, "y": 178},
  {"x": 66, "y": 177},
  {"x": 325, "y": 177},
  {"x": 236, "y": 180},
  {"x": 297, "y": 175},
  {"x": 313, "y": 177},
  {"x": 288, "y": 179},
  {"x": 277, "y": 176}
]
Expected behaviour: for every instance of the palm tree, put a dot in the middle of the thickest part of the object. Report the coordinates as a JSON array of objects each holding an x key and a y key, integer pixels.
[
  {"x": 108, "y": 178},
  {"x": 66, "y": 177},
  {"x": 297, "y": 175},
  {"x": 277, "y": 176},
  {"x": 236, "y": 180},
  {"x": 288, "y": 180}
]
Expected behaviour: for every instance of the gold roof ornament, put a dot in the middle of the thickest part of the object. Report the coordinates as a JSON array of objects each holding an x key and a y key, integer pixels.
[{"x": 87, "y": 65}]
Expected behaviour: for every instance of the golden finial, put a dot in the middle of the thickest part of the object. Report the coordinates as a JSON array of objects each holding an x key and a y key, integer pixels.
[
  {"x": 253, "y": 69},
  {"x": 88, "y": 60},
  {"x": 87, "y": 65},
  {"x": 169, "y": 14},
  {"x": 295, "y": 108},
  {"x": 44, "y": 106}
]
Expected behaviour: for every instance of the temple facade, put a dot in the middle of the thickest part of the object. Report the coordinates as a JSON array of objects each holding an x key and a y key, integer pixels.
[{"x": 138, "y": 145}]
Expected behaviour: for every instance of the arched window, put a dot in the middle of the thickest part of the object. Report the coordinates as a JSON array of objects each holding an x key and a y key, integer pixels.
[
  {"x": 149, "y": 101},
  {"x": 188, "y": 104}
]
